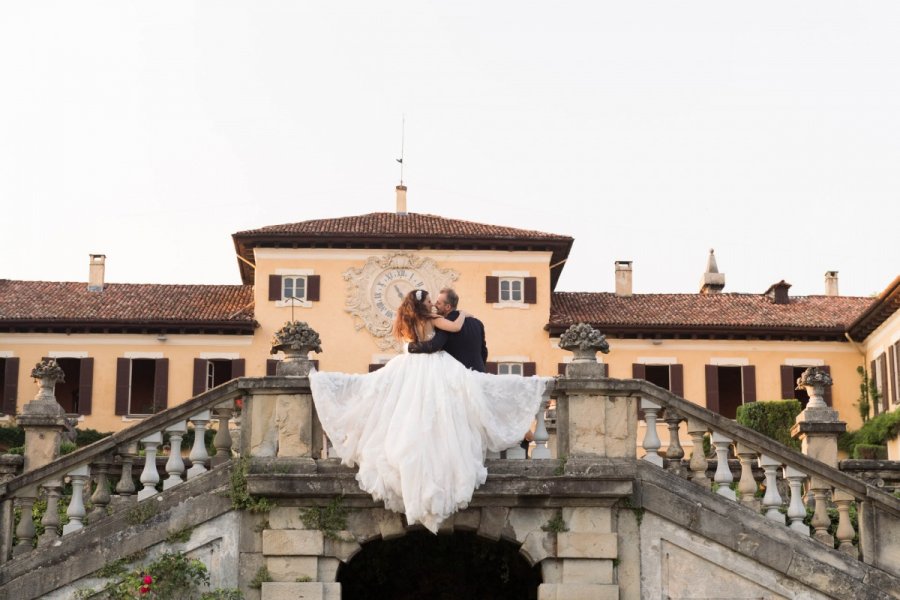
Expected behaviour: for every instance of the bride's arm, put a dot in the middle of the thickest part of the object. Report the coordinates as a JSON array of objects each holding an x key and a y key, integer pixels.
[{"x": 451, "y": 326}]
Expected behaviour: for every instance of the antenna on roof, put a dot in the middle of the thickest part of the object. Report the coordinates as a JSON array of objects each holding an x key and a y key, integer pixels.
[{"x": 402, "y": 140}]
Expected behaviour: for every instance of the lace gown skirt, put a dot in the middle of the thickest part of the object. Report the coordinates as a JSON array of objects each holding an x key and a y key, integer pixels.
[{"x": 419, "y": 428}]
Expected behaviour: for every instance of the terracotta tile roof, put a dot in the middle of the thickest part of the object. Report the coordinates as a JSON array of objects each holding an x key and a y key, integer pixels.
[
  {"x": 884, "y": 306},
  {"x": 391, "y": 225},
  {"x": 399, "y": 231},
  {"x": 43, "y": 304},
  {"x": 712, "y": 314}
]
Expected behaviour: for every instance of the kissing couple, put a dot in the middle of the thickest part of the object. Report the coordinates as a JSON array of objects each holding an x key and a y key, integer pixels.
[{"x": 419, "y": 427}]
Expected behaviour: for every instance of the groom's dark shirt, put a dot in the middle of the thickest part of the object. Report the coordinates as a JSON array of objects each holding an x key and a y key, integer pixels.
[{"x": 468, "y": 346}]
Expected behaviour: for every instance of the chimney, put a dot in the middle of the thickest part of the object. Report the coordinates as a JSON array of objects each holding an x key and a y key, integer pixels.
[
  {"x": 712, "y": 281},
  {"x": 831, "y": 283},
  {"x": 401, "y": 199},
  {"x": 95, "y": 277},
  {"x": 778, "y": 292},
  {"x": 623, "y": 278}
]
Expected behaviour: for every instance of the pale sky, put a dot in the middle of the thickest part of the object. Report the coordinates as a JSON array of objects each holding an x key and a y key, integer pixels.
[{"x": 152, "y": 131}]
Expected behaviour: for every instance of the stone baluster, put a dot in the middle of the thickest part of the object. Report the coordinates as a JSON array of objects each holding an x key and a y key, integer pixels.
[
  {"x": 845, "y": 530},
  {"x": 198, "y": 454},
  {"x": 541, "y": 436},
  {"x": 491, "y": 454},
  {"x": 820, "y": 520},
  {"x": 150, "y": 476},
  {"x": 516, "y": 452},
  {"x": 25, "y": 529},
  {"x": 698, "y": 465},
  {"x": 723, "y": 474},
  {"x": 175, "y": 464},
  {"x": 796, "y": 510},
  {"x": 747, "y": 485},
  {"x": 101, "y": 497},
  {"x": 772, "y": 499},
  {"x": 651, "y": 443},
  {"x": 674, "y": 452},
  {"x": 222, "y": 441},
  {"x": 50, "y": 520},
  {"x": 76, "y": 510},
  {"x": 125, "y": 488}
]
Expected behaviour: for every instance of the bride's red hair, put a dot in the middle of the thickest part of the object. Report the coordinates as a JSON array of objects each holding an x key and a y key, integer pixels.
[{"x": 410, "y": 315}]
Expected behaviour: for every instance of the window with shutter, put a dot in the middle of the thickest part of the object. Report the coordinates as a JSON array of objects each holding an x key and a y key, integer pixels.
[
  {"x": 86, "y": 387},
  {"x": 510, "y": 368},
  {"x": 492, "y": 289},
  {"x": 9, "y": 385}
]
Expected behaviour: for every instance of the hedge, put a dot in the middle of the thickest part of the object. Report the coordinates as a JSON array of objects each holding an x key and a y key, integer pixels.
[{"x": 773, "y": 418}]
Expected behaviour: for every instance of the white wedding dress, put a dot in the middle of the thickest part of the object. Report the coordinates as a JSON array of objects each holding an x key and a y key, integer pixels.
[{"x": 420, "y": 426}]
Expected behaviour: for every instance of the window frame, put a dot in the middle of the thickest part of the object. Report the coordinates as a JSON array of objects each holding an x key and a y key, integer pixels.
[
  {"x": 510, "y": 368},
  {"x": 510, "y": 283}
]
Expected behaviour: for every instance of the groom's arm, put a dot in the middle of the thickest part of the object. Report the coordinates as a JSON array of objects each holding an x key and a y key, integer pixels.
[{"x": 433, "y": 345}]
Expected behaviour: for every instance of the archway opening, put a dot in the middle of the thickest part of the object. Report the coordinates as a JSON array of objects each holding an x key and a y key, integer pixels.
[{"x": 421, "y": 565}]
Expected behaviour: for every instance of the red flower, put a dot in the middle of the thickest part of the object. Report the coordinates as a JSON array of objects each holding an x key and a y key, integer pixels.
[
  {"x": 148, "y": 580},
  {"x": 144, "y": 589}
]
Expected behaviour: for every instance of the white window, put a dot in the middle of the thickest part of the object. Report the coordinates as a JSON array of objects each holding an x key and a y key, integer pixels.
[
  {"x": 293, "y": 287},
  {"x": 511, "y": 289},
  {"x": 509, "y": 368}
]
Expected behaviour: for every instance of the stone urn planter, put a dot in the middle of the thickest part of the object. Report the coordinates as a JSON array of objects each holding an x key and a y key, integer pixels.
[
  {"x": 296, "y": 339},
  {"x": 583, "y": 341},
  {"x": 814, "y": 381},
  {"x": 47, "y": 373}
]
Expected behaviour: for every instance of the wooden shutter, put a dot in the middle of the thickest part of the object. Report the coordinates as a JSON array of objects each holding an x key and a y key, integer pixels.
[
  {"x": 492, "y": 289},
  {"x": 788, "y": 384},
  {"x": 892, "y": 378},
  {"x": 200, "y": 366},
  {"x": 530, "y": 294},
  {"x": 875, "y": 406},
  {"x": 161, "y": 385},
  {"x": 313, "y": 283},
  {"x": 638, "y": 371},
  {"x": 712, "y": 388},
  {"x": 86, "y": 386},
  {"x": 274, "y": 287},
  {"x": 10, "y": 385},
  {"x": 561, "y": 368},
  {"x": 491, "y": 367},
  {"x": 123, "y": 385},
  {"x": 748, "y": 378},
  {"x": 885, "y": 401},
  {"x": 827, "y": 395},
  {"x": 676, "y": 380},
  {"x": 374, "y": 367},
  {"x": 529, "y": 369},
  {"x": 238, "y": 367},
  {"x": 271, "y": 364}
]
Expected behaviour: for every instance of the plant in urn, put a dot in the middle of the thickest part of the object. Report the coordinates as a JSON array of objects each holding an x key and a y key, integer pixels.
[
  {"x": 814, "y": 380},
  {"x": 296, "y": 339},
  {"x": 47, "y": 373},
  {"x": 584, "y": 342}
]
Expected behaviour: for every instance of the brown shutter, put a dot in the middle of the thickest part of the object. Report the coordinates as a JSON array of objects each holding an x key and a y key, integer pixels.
[
  {"x": 885, "y": 401},
  {"x": 892, "y": 369},
  {"x": 313, "y": 283},
  {"x": 123, "y": 385},
  {"x": 271, "y": 364},
  {"x": 827, "y": 395},
  {"x": 86, "y": 386},
  {"x": 638, "y": 371},
  {"x": 199, "y": 376},
  {"x": 238, "y": 367},
  {"x": 712, "y": 388},
  {"x": 374, "y": 367},
  {"x": 875, "y": 406},
  {"x": 561, "y": 368},
  {"x": 530, "y": 294},
  {"x": 490, "y": 367},
  {"x": 10, "y": 386},
  {"x": 161, "y": 385},
  {"x": 492, "y": 289},
  {"x": 529, "y": 369},
  {"x": 748, "y": 378},
  {"x": 788, "y": 384},
  {"x": 676, "y": 380},
  {"x": 274, "y": 287}
]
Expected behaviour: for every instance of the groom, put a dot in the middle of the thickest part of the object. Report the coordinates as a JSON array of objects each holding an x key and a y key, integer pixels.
[{"x": 467, "y": 346}]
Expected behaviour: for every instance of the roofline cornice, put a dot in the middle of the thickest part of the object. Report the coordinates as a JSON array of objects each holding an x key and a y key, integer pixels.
[
  {"x": 885, "y": 305},
  {"x": 127, "y": 326},
  {"x": 709, "y": 332}
]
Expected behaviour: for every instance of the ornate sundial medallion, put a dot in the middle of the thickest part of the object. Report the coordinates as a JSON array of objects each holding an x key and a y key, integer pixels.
[{"x": 375, "y": 290}]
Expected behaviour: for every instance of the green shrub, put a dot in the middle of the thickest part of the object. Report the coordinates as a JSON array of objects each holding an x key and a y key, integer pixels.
[
  {"x": 11, "y": 437},
  {"x": 773, "y": 419},
  {"x": 877, "y": 431},
  {"x": 869, "y": 452},
  {"x": 86, "y": 437}
]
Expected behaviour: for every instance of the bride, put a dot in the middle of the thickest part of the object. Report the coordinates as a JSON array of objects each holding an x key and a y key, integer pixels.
[{"x": 420, "y": 426}]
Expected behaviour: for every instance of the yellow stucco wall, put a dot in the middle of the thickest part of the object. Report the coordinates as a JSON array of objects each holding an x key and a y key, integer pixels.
[{"x": 876, "y": 345}]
